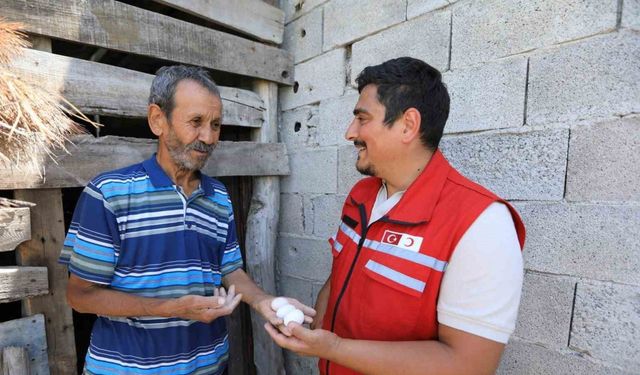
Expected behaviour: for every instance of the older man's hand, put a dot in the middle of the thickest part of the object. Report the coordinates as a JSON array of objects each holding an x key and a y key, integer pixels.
[{"x": 207, "y": 309}]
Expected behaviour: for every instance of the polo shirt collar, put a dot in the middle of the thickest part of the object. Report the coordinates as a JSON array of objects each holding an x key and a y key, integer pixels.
[
  {"x": 160, "y": 179},
  {"x": 156, "y": 174}
]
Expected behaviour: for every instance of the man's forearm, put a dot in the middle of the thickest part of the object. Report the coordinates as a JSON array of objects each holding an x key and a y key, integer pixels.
[
  {"x": 418, "y": 357},
  {"x": 251, "y": 293},
  {"x": 321, "y": 304},
  {"x": 108, "y": 302}
]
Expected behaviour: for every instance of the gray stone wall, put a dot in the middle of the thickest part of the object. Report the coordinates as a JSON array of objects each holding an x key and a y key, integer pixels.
[{"x": 545, "y": 112}]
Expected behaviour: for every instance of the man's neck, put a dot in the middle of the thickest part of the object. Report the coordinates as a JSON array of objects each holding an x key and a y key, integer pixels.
[
  {"x": 406, "y": 171},
  {"x": 188, "y": 180}
]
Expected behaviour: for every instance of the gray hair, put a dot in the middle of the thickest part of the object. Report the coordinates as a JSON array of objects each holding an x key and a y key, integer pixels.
[{"x": 167, "y": 78}]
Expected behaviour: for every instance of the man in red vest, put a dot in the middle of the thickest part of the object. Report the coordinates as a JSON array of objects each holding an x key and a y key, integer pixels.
[{"x": 427, "y": 269}]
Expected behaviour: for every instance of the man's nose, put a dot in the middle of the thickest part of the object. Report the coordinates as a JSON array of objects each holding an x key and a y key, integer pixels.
[
  {"x": 352, "y": 131},
  {"x": 208, "y": 135}
]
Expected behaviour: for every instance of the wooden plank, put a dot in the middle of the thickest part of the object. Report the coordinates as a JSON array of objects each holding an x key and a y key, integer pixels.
[
  {"x": 29, "y": 333},
  {"x": 252, "y": 17},
  {"x": 15, "y": 361},
  {"x": 261, "y": 236},
  {"x": 15, "y": 227},
  {"x": 103, "y": 89},
  {"x": 47, "y": 228},
  {"x": 114, "y": 25},
  {"x": 17, "y": 283},
  {"x": 90, "y": 156}
]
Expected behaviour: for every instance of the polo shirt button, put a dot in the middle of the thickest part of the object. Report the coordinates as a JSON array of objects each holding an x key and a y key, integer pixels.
[{"x": 189, "y": 225}]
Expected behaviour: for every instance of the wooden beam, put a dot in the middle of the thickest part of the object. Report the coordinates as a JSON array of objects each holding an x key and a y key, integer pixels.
[
  {"x": 261, "y": 236},
  {"x": 17, "y": 283},
  {"x": 47, "y": 228},
  {"x": 15, "y": 227},
  {"x": 15, "y": 361},
  {"x": 252, "y": 17},
  {"x": 91, "y": 156},
  {"x": 29, "y": 333},
  {"x": 114, "y": 25},
  {"x": 102, "y": 89}
]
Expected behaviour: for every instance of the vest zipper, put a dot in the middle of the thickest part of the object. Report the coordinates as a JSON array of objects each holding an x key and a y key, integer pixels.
[{"x": 363, "y": 235}]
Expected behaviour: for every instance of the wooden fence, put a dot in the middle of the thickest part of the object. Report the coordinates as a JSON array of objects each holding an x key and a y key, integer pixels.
[{"x": 101, "y": 55}]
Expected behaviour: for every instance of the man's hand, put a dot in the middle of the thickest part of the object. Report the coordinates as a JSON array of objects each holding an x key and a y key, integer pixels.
[
  {"x": 263, "y": 306},
  {"x": 317, "y": 343},
  {"x": 207, "y": 309}
]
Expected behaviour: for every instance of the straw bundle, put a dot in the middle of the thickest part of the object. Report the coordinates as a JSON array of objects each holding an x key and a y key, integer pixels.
[{"x": 33, "y": 121}]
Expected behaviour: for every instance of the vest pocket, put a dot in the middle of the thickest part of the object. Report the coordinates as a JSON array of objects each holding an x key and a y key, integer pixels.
[{"x": 390, "y": 301}]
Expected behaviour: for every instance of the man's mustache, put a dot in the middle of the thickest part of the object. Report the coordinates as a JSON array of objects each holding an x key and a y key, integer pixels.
[
  {"x": 358, "y": 143},
  {"x": 200, "y": 146}
]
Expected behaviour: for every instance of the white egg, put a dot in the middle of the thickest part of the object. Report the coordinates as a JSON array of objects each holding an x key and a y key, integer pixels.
[
  {"x": 278, "y": 302},
  {"x": 284, "y": 310},
  {"x": 294, "y": 316}
]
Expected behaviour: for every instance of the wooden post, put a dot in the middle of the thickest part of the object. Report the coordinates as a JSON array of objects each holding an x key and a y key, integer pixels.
[
  {"x": 15, "y": 361},
  {"x": 262, "y": 233},
  {"x": 47, "y": 237}
]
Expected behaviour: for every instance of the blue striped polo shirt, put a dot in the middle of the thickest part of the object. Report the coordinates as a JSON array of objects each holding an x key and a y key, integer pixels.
[{"x": 134, "y": 231}]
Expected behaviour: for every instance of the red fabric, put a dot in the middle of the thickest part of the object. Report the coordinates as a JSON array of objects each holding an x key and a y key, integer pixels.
[{"x": 438, "y": 207}]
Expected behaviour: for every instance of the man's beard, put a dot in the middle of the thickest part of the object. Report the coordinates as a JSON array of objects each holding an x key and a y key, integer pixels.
[
  {"x": 181, "y": 153},
  {"x": 368, "y": 170}
]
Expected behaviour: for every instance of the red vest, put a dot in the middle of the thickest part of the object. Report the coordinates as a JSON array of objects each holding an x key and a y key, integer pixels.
[{"x": 386, "y": 277}]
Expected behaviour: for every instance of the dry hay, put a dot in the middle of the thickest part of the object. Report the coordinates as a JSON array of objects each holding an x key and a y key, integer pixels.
[{"x": 33, "y": 121}]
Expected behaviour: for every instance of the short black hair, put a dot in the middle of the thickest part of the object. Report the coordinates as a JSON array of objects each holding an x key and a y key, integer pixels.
[{"x": 405, "y": 83}]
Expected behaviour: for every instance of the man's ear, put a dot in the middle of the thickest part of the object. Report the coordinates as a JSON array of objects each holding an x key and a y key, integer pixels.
[
  {"x": 157, "y": 119},
  {"x": 411, "y": 120}
]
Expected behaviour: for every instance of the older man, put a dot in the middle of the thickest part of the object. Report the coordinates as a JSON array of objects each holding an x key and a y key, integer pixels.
[
  {"x": 427, "y": 268},
  {"x": 151, "y": 245}
]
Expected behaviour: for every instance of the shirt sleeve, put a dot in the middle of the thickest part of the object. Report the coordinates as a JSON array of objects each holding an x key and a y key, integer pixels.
[
  {"x": 231, "y": 257},
  {"x": 481, "y": 288},
  {"x": 92, "y": 244}
]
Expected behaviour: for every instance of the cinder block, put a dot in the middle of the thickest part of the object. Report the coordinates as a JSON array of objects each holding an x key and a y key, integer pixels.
[
  {"x": 347, "y": 173},
  {"x": 425, "y": 38},
  {"x": 517, "y": 165},
  {"x": 319, "y": 78},
  {"x": 291, "y": 214},
  {"x": 299, "y": 126},
  {"x": 294, "y": 287},
  {"x": 325, "y": 211},
  {"x": 335, "y": 116},
  {"x": 545, "y": 310},
  {"x": 592, "y": 78},
  {"x": 305, "y": 258},
  {"x": 416, "y": 8},
  {"x": 312, "y": 171},
  {"x": 604, "y": 162},
  {"x": 523, "y": 358},
  {"x": 299, "y": 365},
  {"x": 303, "y": 37},
  {"x": 595, "y": 241},
  {"x": 294, "y": 9},
  {"x": 631, "y": 14},
  {"x": 487, "y": 97},
  {"x": 486, "y": 30},
  {"x": 348, "y": 20},
  {"x": 606, "y": 323}
]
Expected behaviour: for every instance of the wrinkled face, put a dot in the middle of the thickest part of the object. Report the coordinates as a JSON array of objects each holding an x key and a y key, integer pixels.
[
  {"x": 372, "y": 138},
  {"x": 194, "y": 125}
]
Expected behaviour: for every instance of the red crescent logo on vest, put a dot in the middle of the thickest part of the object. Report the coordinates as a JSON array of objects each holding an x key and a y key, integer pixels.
[{"x": 402, "y": 240}]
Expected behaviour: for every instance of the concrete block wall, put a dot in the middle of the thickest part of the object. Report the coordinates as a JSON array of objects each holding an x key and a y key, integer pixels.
[{"x": 545, "y": 112}]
